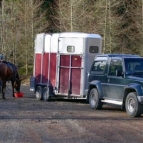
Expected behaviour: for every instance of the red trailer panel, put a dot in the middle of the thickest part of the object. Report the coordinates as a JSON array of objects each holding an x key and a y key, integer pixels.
[
  {"x": 45, "y": 67},
  {"x": 49, "y": 71},
  {"x": 38, "y": 58},
  {"x": 76, "y": 74},
  {"x": 52, "y": 76},
  {"x": 64, "y": 73},
  {"x": 70, "y": 74}
]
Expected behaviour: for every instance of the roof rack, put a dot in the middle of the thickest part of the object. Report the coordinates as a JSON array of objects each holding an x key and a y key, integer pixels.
[{"x": 118, "y": 55}]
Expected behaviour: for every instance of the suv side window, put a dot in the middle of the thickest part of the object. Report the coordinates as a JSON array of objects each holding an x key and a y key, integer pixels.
[
  {"x": 98, "y": 66},
  {"x": 134, "y": 66},
  {"x": 115, "y": 65}
]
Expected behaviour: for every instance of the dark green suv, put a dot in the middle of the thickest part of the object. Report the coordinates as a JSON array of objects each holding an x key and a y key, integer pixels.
[{"x": 117, "y": 79}]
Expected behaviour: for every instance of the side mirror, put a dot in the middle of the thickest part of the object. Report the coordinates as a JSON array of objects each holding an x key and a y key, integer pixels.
[
  {"x": 119, "y": 73},
  {"x": 88, "y": 73}
]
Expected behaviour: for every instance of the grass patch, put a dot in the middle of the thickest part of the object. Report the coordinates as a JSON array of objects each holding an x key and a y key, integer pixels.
[
  {"x": 25, "y": 77},
  {"x": 22, "y": 70}
]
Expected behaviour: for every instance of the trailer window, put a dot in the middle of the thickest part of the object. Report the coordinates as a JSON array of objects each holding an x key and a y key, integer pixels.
[
  {"x": 70, "y": 49},
  {"x": 93, "y": 49}
]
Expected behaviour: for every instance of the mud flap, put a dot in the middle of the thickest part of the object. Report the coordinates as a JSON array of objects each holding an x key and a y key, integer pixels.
[
  {"x": 32, "y": 83},
  {"x": 0, "y": 87}
]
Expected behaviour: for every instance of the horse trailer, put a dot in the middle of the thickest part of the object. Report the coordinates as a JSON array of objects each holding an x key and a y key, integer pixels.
[{"x": 61, "y": 64}]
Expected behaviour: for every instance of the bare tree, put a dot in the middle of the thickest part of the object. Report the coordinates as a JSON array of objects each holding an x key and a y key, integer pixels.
[
  {"x": 20, "y": 21},
  {"x": 72, "y": 15}
]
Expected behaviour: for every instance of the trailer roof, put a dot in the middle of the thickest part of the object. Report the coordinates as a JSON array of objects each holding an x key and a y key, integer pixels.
[{"x": 79, "y": 35}]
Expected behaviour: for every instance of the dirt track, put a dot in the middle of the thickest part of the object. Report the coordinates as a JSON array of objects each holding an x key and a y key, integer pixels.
[{"x": 26, "y": 120}]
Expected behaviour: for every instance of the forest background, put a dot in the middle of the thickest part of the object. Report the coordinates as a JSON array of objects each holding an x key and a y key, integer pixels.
[{"x": 119, "y": 22}]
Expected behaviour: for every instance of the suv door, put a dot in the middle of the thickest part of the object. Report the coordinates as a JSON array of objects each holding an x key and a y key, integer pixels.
[{"x": 115, "y": 84}]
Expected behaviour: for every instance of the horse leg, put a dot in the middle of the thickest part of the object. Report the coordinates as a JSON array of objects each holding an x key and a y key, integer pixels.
[
  {"x": 12, "y": 83},
  {"x": 3, "y": 89}
]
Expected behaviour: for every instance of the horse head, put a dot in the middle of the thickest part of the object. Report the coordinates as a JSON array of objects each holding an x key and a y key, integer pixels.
[{"x": 17, "y": 84}]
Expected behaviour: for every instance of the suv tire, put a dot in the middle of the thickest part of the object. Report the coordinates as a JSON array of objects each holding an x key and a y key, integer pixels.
[
  {"x": 94, "y": 100},
  {"x": 133, "y": 107}
]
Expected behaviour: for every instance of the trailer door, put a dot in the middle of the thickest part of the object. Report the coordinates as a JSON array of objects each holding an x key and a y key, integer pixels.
[{"x": 69, "y": 75}]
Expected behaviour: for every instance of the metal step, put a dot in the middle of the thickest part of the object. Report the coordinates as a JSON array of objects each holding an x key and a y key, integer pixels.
[{"x": 112, "y": 101}]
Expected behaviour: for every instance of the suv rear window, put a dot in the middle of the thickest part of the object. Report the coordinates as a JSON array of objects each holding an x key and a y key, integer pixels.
[{"x": 98, "y": 66}]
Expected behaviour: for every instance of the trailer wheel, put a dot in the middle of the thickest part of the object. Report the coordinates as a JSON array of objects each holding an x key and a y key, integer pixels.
[
  {"x": 39, "y": 92},
  {"x": 46, "y": 95},
  {"x": 133, "y": 107},
  {"x": 94, "y": 100}
]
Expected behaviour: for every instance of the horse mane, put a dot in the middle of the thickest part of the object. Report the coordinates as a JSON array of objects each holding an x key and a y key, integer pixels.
[{"x": 14, "y": 71}]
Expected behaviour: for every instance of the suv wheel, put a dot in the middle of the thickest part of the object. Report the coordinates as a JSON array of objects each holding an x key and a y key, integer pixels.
[
  {"x": 94, "y": 99},
  {"x": 133, "y": 107}
]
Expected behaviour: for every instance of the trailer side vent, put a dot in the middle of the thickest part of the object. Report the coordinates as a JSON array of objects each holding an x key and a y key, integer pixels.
[{"x": 93, "y": 49}]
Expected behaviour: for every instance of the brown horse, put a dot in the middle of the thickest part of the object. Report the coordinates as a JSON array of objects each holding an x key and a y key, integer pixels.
[{"x": 8, "y": 72}]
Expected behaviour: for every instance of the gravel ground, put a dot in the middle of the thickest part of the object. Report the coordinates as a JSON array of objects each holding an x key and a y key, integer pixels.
[{"x": 26, "y": 120}]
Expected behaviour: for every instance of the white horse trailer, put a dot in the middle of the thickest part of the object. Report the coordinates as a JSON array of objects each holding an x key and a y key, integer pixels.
[{"x": 62, "y": 62}]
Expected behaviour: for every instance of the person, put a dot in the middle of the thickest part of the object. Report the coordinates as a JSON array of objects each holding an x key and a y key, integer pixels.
[{"x": 2, "y": 59}]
